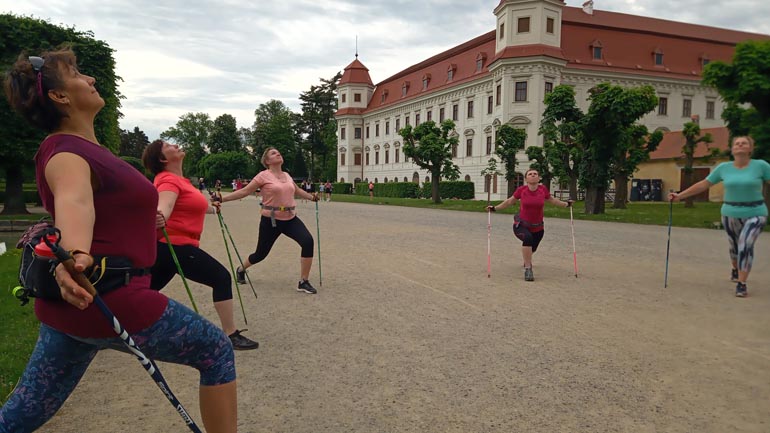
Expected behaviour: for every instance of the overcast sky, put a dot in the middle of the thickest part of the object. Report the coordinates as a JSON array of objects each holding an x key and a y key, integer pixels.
[{"x": 229, "y": 56}]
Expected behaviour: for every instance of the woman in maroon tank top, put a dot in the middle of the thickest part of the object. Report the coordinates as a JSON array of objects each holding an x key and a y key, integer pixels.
[
  {"x": 103, "y": 207},
  {"x": 528, "y": 223}
]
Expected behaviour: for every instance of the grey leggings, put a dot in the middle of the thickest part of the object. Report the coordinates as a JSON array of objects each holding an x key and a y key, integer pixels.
[{"x": 743, "y": 233}]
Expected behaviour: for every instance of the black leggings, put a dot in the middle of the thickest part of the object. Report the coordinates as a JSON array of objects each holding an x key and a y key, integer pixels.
[
  {"x": 293, "y": 228},
  {"x": 528, "y": 238},
  {"x": 197, "y": 266}
]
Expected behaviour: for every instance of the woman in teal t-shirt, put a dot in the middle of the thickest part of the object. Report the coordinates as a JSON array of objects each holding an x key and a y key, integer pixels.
[{"x": 744, "y": 213}]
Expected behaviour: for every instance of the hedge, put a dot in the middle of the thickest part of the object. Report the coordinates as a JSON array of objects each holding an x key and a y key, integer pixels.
[
  {"x": 391, "y": 189},
  {"x": 451, "y": 189}
]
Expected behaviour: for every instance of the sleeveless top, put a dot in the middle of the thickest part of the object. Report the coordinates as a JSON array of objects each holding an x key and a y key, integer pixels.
[{"x": 124, "y": 204}]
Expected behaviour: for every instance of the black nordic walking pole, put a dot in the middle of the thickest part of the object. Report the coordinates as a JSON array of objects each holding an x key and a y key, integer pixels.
[
  {"x": 318, "y": 235},
  {"x": 179, "y": 268},
  {"x": 237, "y": 254},
  {"x": 69, "y": 263},
  {"x": 232, "y": 268},
  {"x": 668, "y": 243}
]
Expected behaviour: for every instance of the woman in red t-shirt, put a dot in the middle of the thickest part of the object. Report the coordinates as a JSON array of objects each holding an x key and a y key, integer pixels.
[
  {"x": 104, "y": 207},
  {"x": 184, "y": 208},
  {"x": 528, "y": 223}
]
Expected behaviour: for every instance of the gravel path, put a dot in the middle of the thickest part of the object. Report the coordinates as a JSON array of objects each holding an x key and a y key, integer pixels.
[{"x": 408, "y": 334}]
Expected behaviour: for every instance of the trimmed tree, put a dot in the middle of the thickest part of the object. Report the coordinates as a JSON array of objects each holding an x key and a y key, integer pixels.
[
  {"x": 430, "y": 147},
  {"x": 489, "y": 171},
  {"x": 508, "y": 143},
  {"x": 692, "y": 138},
  {"x": 192, "y": 133},
  {"x": 613, "y": 111},
  {"x": 745, "y": 87},
  {"x": 560, "y": 127}
]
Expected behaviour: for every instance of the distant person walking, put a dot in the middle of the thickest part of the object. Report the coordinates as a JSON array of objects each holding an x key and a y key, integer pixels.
[
  {"x": 328, "y": 190},
  {"x": 278, "y": 216},
  {"x": 371, "y": 191},
  {"x": 528, "y": 224},
  {"x": 744, "y": 212}
]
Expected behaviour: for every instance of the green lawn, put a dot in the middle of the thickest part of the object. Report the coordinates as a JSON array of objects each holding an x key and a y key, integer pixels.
[
  {"x": 19, "y": 330},
  {"x": 703, "y": 215}
]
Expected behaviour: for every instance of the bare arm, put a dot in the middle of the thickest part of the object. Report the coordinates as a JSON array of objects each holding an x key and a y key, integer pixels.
[
  {"x": 69, "y": 178},
  {"x": 247, "y": 190},
  {"x": 695, "y": 189},
  {"x": 166, "y": 202},
  {"x": 510, "y": 201},
  {"x": 556, "y": 202},
  {"x": 304, "y": 194}
]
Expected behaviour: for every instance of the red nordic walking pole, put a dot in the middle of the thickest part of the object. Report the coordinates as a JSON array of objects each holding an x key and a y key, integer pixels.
[
  {"x": 574, "y": 251},
  {"x": 489, "y": 243}
]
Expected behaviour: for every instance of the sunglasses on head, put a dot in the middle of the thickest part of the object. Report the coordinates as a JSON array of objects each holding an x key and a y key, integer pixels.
[{"x": 37, "y": 66}]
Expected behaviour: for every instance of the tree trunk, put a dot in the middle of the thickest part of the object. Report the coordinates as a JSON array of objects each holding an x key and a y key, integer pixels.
[
  {"x": 595, "y": 200},
  {"x": 621, "y": 192},
  {"x": 573, "y": 188},
  {"x": 688, "y": 174},
  {"x": 434, "y": 191},
  {"x": 14, "y": 191},
  {"x": 547, "y": 183}
]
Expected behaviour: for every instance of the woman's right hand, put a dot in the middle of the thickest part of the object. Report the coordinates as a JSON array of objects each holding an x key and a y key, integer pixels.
[
  {"x": 71, "y": 291},
  {"x": 673, "y": 196},
  {"x": 491, "y": 209},
  {"x": 160, "y": 220}
]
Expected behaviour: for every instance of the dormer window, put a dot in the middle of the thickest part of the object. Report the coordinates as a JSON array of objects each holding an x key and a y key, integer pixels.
[
  {"x": 404, "y": 88},
  {"x": 425, "y": 81},
  {"x": 384, "y": 96},
  {"x": 480, "y": 59},
  {"x": 597, "y": 49},
  {"x": 450, "y": 72},
  {"x": 658, "y": 56},
  {"x": 704, "y": 60}
]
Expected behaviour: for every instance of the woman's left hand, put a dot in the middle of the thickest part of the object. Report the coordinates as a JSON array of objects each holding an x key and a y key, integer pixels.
[
  {"x": 160, "y": 220},
  {"x": 314, "y": 197}
]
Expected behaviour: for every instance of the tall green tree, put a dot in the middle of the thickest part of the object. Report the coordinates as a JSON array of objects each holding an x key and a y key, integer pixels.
[
  {"x": 275, "y": 126},
  {"x": 539, "y": 161},
  {"x": 560, "y": 128},
  {"x": 132, "y": 143},
  {"x": 613, "y": 110},
  {"x": 18, "y": 140},
  {"x": 508, "y": 143},
  {"x": 430, "y": 147},
  {"x": 318, "y": 107},
  {"x": 692, "y": 138},
  {"x": 191, "y": 133},
  {"x": 224, "y": 135},
  {"x": 633, "y": 149},
  {"x": 226, "y": 166},
  {"x": 745, "y": 86}
]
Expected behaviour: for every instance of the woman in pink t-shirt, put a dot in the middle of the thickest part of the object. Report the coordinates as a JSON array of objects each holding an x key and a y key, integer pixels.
[
  {"x": 183, "y": 209},
  {"x": 278, "y": 216},
  {"x": 528, "y": 223}
]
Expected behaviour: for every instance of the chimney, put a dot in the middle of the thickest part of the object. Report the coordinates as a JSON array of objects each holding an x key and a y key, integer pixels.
[{"x": 588, "y": 7}]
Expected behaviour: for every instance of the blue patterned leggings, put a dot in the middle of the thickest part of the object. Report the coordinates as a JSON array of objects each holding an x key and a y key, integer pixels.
[
  {"x": 59, "y": 361},
  {"x": 743, "y": 233}
]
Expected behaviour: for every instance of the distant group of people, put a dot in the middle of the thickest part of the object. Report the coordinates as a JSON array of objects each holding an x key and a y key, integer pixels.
[{"x": 325, "y": 188}]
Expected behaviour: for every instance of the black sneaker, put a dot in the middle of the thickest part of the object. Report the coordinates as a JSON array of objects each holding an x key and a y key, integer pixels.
[
  {"x": 528, "y": 274},
  {"x": 240, "y": 275},
  {"x": 242, "y": 343},
  {"x": 741, "y": 291},
  {"x": 734, "y": 275},
  {"x": 304, "y": 286}
]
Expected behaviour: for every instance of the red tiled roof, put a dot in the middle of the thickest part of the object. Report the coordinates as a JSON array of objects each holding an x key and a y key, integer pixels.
[
  {"x": 628, "y": 43},
  {"x": 671, "y": 146},
  {"x": 344, "y": 111},
  {"x": 357, "y": 73}
]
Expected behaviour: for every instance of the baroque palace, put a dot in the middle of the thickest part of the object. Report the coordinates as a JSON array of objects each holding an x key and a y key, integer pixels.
[{"x": 503, "y": 76}]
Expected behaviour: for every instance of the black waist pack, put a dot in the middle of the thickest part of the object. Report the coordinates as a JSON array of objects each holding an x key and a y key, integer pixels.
[
  {"x": 36, "y": 270},
  {"x": 526, "y": 224}
]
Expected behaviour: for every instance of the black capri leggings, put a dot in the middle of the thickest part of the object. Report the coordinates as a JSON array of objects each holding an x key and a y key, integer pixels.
[
  {"x": 197, "y": 266},
  {"x": 528, "y": 238},
  {"x": 293, "y": 228}
]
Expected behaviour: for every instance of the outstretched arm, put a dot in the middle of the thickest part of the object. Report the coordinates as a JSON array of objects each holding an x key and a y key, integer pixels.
[
  {"x": 247, "y": 190},
  {"x": 510, "y": 201},
  {"x": 695, "y": 189},
  {"x": 556, "y": 202}
]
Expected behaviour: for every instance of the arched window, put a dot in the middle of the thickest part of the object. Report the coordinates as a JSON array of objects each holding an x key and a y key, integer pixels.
[
  {"x": 406, "y": 179},
  {"x": 386, "y": 180},
  {"x": 467, "y": 177},
  {"x": 416, "y": 177}
]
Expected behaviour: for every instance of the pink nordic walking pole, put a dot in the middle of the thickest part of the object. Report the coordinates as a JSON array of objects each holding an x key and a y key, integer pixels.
[
  {"x": 574, "y": 251},
  {"x": 489, "y": 243}
]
